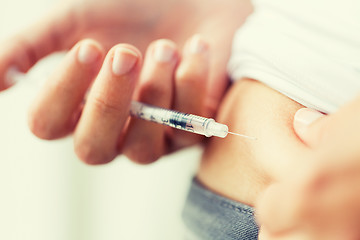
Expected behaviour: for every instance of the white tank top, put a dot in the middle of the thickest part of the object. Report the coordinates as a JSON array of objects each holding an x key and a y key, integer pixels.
[{"x": 308, "y": 50}]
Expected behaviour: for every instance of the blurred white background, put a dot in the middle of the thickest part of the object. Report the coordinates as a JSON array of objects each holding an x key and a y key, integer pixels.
[{"x": 47, "y": 193}]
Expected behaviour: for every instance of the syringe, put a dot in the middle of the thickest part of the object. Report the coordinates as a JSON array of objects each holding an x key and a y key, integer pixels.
[
  {"x": 183, "y": 121},
  {"x": 178, "y": 120}
]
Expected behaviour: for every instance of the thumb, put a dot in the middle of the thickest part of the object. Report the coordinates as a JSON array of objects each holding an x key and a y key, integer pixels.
[
  {"x": 54, "y": 32},
  {"x": 309, "y": 125}
]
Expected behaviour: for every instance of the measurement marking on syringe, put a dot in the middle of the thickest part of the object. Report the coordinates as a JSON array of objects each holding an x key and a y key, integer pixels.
[{"x": 182, "y": 121}]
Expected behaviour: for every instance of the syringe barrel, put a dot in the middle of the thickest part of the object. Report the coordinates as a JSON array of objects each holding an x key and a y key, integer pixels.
[{"x": 179, "y": 120}]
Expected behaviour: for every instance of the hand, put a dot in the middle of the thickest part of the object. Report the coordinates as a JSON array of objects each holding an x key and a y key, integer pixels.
[
  {"x": 138, "y": 22},
  {"x": 102, "y": 130},
  {"x": 322, "y": 200},
  {"x": 102, "y": 127}
]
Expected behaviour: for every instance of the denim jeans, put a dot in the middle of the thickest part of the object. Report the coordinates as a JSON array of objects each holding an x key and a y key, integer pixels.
[{"x": 208, "y": 216}]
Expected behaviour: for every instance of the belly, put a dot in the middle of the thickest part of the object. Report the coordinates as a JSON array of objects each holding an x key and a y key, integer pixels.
[{"x": 239, "y": 168}]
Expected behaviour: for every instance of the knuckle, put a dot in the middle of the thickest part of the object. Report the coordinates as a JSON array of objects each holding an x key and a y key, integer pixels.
[
  {"x": 152, "y": 88},
  {"x": 184, "y": 139},
  {"x": 142, "y": 159},
  {"x": 91, "y": 155},
  {"x": 41, "y": 127},
  {"x": 142, "y": 154},
  {"x": 104, "y": 106}
]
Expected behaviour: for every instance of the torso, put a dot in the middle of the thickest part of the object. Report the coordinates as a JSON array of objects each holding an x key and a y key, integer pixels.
[{"x": 240, "y": 168}]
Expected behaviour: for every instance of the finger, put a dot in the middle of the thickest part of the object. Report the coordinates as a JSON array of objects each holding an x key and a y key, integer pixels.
[
  {"x": 338, "y": 134},
  {"x": 218, "y": 82},
  {"x": 55, "y": 32},
  {"x": 145, "y": 141},
  {"x": 341, "y": 135},
  {"x": 308, "y": 125},
  {"x": 107, "y": 107},
  {"x": 336, "y": 202},
  {"x": 220, "y": 41},
  {"x": 54, "y": 112},
  {"x": 280, "y": 209},
  {"x": 326, "y": 207},
  {"x": 190, "y": 85}
]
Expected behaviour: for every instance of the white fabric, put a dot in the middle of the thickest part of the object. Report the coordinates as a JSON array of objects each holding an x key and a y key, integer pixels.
[{"x": 308, "y": 50}]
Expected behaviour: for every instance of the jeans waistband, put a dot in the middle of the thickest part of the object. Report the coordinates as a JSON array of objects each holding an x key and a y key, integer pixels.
[{"x": 210, "y": 216}]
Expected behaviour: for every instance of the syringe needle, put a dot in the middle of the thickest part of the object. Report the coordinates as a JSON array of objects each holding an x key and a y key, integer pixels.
[{"x": 242, "y": 135}]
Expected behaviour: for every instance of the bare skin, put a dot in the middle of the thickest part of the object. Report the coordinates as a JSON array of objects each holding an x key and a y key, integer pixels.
[
  {"x": 240, "y": 168},
  {"x": 172, "y": 73},
  {"x": 303, "y": 188},
  {"x": 237, "y": 168},
  {"x": 321, "y": 202}
]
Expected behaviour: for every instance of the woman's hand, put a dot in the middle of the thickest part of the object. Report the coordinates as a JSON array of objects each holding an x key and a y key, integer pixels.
[
  {"x": 102, "y": 127},
  {"x": 322, "y": 200},
  {"x": 138, "y": 22},
  {"x": 193, "y": 81}
]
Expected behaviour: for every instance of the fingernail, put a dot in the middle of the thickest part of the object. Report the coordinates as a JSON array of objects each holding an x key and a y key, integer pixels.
[
  {"x": 197, "y": 45},
  {"x": 164, "y": 52},
  {"x": 124, "y": 61},
  {"x": 88, "y": 53},
  {"x": 304, "y": 118}
]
